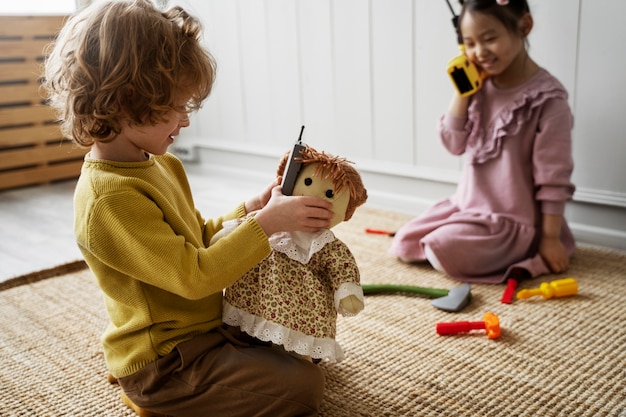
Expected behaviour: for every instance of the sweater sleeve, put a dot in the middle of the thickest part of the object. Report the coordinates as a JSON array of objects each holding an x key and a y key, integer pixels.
[
  {"x": 453, "y": 132},
  {"x": 212, "y": 226},
  {"x": 129, "y": 232},
  {"x": 552, "y": 157}
]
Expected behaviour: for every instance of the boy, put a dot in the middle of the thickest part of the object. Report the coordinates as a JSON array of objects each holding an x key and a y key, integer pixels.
[{"x": 123, "y": 77}]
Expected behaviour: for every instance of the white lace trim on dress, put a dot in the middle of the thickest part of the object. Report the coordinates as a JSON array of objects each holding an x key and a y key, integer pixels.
[
  {"x": 293, "y": 341},
  {"x": 301, "y": 246}
]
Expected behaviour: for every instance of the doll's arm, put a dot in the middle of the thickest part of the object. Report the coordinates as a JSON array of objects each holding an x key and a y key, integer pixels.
[
  {"x": 348, "y": 292},
  {"x": 350, "y": 306},
  {"x": 349, "y": 299}
]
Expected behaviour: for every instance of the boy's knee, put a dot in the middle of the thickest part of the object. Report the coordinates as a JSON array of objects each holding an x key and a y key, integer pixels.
[{"x": 307, "y": 385}]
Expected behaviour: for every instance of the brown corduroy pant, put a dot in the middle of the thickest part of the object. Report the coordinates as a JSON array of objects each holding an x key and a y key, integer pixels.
[{"x": 221, "y": 374}]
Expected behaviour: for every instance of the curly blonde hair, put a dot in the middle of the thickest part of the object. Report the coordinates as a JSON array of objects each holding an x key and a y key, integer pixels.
[
  {"x": 125, "y": 61},
  {"x": 339, "y": 170}
]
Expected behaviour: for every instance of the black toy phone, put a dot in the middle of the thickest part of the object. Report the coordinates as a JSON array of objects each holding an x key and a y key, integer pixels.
[
  {"x": 293, "y": 166},
  {"x": 465, "y": 76}
]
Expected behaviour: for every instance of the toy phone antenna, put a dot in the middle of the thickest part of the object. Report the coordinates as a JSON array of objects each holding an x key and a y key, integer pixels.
[
  {"x": 451, "y": 9},
  {"x": 465, "y": 76},
  {"x": 455, "y": 23},
  {"x": 299, "y": 141}
]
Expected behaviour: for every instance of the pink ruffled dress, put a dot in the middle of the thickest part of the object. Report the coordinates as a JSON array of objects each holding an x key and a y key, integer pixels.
[{"x": 518, "y": 164}]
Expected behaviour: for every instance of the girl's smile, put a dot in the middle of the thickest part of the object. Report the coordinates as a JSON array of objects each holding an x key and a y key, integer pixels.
[{"x": 498, "y": 51}]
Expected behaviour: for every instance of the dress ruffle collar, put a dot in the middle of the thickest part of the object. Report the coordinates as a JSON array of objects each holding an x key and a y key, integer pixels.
[
  {"x": 485, "y": 143},
  {"x": 300, "y": 246}
]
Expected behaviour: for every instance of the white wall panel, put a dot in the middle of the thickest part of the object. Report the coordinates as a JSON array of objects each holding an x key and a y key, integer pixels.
[
  {"x": 222, "y": 31},
  {"x": 284, "y": 97},
  {"x": 255, "y": 67},
  {"x": 435, "y": 44},
  {"x": 316, "y": 71},
  {"x": 392, "y": 80},
  {"x": 352, "y": 87},
  {"x": 600, "y": 132}
]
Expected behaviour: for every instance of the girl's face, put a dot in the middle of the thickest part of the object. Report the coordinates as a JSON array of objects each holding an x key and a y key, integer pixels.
[{"x": 490, "y": 45}]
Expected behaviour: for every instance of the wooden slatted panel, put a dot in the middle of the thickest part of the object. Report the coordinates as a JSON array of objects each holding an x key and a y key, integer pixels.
[
  {"x": 32, "y": 148},
  {"x": 18, "y": 93},
  {"x": 28, "y": 49},
  {"x": 30, "y": 26},
  {"x": 15, "y": 72}
]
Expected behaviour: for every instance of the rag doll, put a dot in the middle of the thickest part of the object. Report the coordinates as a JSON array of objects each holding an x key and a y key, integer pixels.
[{"x": 292, "y": 297}]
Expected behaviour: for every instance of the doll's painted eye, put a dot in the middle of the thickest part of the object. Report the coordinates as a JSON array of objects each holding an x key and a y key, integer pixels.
[
  {"x": 330, "y": 194},
  {"x": 308, "y": 181}
]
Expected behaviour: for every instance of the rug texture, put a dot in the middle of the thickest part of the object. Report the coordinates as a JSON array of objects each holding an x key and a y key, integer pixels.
[{"x": 556, "y": 357}]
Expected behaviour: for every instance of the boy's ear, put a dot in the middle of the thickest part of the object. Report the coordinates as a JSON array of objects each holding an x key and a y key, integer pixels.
[{"x": 526, "y": 24}]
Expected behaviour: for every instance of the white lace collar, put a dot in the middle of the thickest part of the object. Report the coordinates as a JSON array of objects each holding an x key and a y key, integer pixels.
[{"x": 300, "y": 246}]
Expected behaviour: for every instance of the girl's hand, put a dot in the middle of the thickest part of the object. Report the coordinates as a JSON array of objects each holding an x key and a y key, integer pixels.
[
  {"x": 550, "y": 248},
  {"x": 458, "y": 106},
  {"x": 290, "y": 213},
  {"x": 554, "y": 254}
]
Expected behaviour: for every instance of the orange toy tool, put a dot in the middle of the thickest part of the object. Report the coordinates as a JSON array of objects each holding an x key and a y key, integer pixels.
[
  {"x": 491, "y": 324},
  {"x": 559, "y": 288}
]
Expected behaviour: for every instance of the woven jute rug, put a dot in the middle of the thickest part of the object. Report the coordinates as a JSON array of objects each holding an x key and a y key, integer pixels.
[{"x": 556, "y": 357}]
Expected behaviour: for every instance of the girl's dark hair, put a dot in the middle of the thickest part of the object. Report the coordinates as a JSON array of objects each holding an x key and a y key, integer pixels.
[{"x": 508, "y": 14}]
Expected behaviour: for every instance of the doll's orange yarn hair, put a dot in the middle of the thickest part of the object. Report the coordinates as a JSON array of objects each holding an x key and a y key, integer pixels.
[{"x": 339, "y": 170}]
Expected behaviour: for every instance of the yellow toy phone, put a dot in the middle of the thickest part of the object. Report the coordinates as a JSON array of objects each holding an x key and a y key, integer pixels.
[{"x": 465, "y": 76}]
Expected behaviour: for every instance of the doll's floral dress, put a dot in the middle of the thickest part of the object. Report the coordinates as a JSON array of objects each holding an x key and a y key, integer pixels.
[{"x": 292, "y": 297}]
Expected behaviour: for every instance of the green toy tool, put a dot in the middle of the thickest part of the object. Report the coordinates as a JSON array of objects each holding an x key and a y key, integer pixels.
[{"x": 453, "y": 300}]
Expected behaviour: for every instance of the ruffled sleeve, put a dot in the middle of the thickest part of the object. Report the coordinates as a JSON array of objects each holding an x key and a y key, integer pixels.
[{"x": 453, "y": 131}]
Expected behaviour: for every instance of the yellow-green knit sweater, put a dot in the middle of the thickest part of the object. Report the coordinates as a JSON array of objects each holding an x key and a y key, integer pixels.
[{"x": 139, "y": 231}]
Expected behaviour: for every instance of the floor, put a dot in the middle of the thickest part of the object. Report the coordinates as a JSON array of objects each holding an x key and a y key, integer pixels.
[{"x": 36, "y": 222}]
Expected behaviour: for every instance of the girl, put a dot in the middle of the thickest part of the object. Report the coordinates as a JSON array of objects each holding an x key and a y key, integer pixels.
[
  {"x": 506, "y": 218},
  {"x": 123, "y": 77}
]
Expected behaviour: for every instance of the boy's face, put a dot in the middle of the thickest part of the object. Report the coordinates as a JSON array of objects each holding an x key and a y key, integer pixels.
[
  {"x": 317, "y": 186},
  {"x": 155, "y": 139}
]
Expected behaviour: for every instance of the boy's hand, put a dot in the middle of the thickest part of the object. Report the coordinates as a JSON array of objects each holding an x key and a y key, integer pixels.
[
  {"x": 259, "y": 201},
  {"x": 286, "y": 213}
]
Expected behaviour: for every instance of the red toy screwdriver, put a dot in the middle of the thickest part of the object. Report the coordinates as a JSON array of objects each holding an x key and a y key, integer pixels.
[
  {"x": 491, "y": 324},
  {"x": 513, "y": 279},
  {"x": 509, "y": 291}
]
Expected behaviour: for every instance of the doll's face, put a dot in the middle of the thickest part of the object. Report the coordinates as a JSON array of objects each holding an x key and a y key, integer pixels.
[{"x": 317, "y": 186}]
